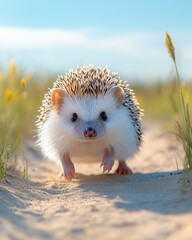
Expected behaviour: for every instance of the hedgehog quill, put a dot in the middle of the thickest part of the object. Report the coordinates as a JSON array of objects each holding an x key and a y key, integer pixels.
[{"x": 89, "y": 115}]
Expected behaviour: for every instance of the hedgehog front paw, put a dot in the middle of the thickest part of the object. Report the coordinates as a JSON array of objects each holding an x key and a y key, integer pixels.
[
  {"x": 68, "y": 169},
  {"x": 108, "y": 160},
  {"x": 67, "y": 175}
]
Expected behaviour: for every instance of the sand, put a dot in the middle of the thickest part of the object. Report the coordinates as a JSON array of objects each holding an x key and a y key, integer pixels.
[{"x": 153, "y": 203}]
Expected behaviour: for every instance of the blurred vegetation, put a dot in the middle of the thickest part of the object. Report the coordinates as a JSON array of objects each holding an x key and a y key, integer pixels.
[
  {"x": 21, "y": 96},
  {"x": 161, "y": 101}
]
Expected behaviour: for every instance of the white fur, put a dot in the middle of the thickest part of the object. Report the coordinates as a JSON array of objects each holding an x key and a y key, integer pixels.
[{"x": 57, "y": 134}]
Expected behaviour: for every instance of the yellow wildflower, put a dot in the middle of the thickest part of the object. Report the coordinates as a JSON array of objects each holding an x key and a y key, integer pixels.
[
  {"x": 23, "y": 83},
  {"x": 8, "y": 95}
]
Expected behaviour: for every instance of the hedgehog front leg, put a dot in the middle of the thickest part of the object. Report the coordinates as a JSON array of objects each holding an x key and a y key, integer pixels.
[
  {"x": 68, "y": 168},
  {"x": 123, "y": 168},
  {"x": 108, "y": 160}
]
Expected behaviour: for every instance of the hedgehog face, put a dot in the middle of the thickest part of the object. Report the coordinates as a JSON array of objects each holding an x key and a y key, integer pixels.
[{"x": 88, "y": 118}]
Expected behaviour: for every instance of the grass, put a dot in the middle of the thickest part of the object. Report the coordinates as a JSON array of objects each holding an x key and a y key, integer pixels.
[
  {"x": 4, "y": 156},
  {"x": 12, "y": 111},
  {"x": 13, "y": 108},
  {"x": 183, "y": 127},
  {"x": 20, "y": 97},
  {"x": 160, "y": 101}
]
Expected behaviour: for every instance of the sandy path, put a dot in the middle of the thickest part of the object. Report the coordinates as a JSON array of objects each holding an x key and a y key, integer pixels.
[{"x": 154, "y": 203}]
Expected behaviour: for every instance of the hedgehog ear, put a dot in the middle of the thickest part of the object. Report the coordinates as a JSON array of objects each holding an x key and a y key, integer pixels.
[
  {"x": 118, "y": 94},
  {"x": 57, "y": 98}
]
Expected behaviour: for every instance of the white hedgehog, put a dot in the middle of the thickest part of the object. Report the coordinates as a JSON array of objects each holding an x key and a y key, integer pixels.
[{"x": 89, "y": 115}]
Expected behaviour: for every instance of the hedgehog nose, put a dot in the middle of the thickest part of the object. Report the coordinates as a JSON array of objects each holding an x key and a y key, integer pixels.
[{"x": 90, "y": 132}]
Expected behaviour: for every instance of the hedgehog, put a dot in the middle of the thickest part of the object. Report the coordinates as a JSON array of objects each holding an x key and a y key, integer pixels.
[{"x": 90, "y": 115}]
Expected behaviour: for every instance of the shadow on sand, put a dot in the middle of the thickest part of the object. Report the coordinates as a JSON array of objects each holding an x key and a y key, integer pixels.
[
  {"x": 9, "y": 206},
  {"x": 158, "y": 192}
]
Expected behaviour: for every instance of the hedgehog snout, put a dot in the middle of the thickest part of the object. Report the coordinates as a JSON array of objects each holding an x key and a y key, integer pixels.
[{"x": 90, "y": 132}]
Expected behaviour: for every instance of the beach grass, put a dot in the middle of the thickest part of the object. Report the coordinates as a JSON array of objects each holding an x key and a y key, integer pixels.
[
  {"x": 20, "y": 97},
  {"x": 12, "y": 110},
  {"x": 183, "y": 125}
]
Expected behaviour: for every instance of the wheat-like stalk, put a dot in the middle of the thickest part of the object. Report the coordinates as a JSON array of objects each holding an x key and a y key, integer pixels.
[
  {"x": 184, "y": 128},
  {"x": 170, "y": 46}
]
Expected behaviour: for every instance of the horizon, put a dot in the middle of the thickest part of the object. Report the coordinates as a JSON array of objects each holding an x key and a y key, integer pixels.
[{"x": 50, "y": 38}]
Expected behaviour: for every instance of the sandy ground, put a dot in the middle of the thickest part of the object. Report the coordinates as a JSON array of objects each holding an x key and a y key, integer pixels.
[{"x": 153, "y": 203}]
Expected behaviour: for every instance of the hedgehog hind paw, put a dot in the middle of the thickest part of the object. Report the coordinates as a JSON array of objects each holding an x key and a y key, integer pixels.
[{"x": 123, "y": 169}]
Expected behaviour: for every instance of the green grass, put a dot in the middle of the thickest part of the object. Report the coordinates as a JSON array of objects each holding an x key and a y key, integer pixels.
[
  {"x": 184, "y": 126},
  {"x": 20, "y": 97},
  {"x": 4, "y": 156},
  {"x": 161, "y": 101},
  {"x": 11, "y": 113}
]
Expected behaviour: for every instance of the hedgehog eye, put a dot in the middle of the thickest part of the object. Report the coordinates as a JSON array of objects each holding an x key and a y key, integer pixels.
[
  {"x": 74, "y": 117},
  {"x": 103, "y": 116}
]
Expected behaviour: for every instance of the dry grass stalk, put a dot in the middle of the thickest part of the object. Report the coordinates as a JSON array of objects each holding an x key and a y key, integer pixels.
[{"x": 184, "y": 128}]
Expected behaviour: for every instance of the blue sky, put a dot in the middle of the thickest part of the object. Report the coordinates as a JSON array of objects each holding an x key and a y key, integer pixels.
[{"x": 127, "y": 36}]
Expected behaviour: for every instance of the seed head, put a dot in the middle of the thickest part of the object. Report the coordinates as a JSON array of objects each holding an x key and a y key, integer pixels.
[{"x": 170, "y": 46}]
